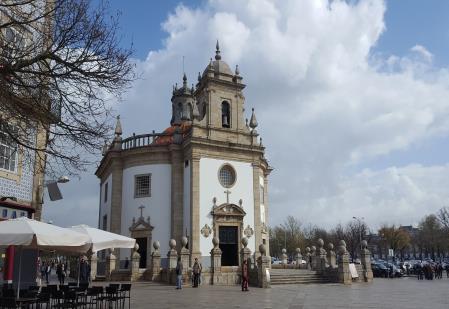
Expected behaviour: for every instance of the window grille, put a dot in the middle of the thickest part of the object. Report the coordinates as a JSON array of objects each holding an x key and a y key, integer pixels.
[
  {"x": 142, "y": 185},
  {"x": 227, "y": 176}
]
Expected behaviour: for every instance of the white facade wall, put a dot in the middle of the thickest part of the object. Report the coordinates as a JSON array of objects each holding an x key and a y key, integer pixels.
[
  {"x": 157, "y": 206},
  {"x": 186, "y": 200},
  {"x": 105, "y": 206},
  {"x": 210, "y": 187}
]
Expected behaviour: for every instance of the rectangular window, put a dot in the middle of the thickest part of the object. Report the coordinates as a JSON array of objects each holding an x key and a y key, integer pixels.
[
  {"x": 142, "y": 185},
  {"x": 262, "y": 195},
  {"x": 5, "y": 213},
  {"x": 105, "y": 222},
  {"x": 14, "y": 214},
  {"x": 106, "y": 192},
  {"x": 22, "y": 214},
  {"x": 8, "y": 147}
]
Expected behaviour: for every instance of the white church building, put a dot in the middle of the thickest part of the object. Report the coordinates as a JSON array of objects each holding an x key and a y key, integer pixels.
[{"x": 205, "y": 175}]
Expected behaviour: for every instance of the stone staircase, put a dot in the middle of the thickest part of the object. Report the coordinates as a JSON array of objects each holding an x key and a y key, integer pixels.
[{"x": 295, "y": 276}]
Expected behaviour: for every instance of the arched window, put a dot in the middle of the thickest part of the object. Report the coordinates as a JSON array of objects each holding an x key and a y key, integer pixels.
[
  {"x": 189, "y": 111},
  {"x": 179, "y": 112},
  {"x": 225, "y": 114}
]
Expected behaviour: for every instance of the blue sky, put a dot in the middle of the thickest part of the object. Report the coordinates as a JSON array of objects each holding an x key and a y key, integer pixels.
[
  {"x": 361, "y": 141},
  {"x": 409, "y": 22}
]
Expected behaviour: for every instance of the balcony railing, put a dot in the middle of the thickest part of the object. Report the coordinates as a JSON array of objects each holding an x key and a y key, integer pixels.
[{"x": 143, "y": 140}]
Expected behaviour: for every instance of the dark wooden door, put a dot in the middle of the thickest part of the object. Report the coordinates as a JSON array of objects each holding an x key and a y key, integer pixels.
[
  {"x": 228, "y": 236},
  {"x": 142, "y": 242}
]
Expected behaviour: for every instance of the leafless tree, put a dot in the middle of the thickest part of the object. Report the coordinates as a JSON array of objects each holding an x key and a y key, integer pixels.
[{"x": 60, "y": 62}]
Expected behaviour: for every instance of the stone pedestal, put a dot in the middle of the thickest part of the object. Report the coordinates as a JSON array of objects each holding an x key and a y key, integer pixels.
[
  {"x": 366, "y": 262},
  {"x": 331, "y": 257},
  {"x": 110, "y": 264},
  {"x": 245, "y": 252},
  {"x": 93, "y": 266},
  {"x": 215, "y": 256},
  {"x": 344, "y": 276},
  {"x": 156, "y": 263},
  {"x": 135, "y": 261},
  {"x": 263, "y": 268}
]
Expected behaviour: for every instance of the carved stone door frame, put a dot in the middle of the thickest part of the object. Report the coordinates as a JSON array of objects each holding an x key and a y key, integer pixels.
[
  {"x": 228, "y": 215},
  {"x": 143, "y": 229}
]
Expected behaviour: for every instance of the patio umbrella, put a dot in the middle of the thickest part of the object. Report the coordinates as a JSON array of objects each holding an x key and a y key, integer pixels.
[
  {"x": 100, "y": 240},
  {"x": 30, "y": 233}
]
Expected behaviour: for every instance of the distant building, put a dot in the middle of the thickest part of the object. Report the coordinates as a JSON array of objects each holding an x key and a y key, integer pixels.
[{"x": 205, "y": 175}]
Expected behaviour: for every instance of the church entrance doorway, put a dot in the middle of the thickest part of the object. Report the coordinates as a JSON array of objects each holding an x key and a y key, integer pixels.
[
  {"x": 142, "y": 242},
  {"x": 228, "y": 236}
]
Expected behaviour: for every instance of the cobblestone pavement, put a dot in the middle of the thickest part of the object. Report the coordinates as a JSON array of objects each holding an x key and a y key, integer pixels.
[{"x": 382, "y": 293}]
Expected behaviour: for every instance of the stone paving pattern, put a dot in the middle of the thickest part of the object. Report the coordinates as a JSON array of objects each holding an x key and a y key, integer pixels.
[{"x": 382, "y": 293}]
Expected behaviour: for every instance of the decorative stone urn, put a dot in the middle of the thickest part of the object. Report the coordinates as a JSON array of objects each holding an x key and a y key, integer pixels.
[{"x": 284, "y": 257}]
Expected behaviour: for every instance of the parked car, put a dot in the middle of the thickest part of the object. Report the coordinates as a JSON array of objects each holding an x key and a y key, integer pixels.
[
  {"x": 379, "y": 270},
  {"x": 397, "y": 272}
]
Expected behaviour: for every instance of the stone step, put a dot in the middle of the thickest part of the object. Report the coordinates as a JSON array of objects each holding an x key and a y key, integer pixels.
[{"x": 295, "y": 276}]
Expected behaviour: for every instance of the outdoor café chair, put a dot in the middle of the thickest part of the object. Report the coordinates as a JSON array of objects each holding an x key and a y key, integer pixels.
[{"x": 125, "y": 293}]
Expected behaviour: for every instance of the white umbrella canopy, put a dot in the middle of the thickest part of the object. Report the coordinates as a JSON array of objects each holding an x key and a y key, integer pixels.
[
  {"x": 100, "y": 239},
  {"x": 31, "y": 233}
]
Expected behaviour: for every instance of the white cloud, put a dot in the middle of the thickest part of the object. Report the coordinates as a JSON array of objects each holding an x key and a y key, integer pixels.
[{"x": 325, "y": 103}]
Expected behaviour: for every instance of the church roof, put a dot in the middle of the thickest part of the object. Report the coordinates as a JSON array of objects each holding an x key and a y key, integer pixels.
[
  {"x": 183, "y": 128},
  {"x": 218, "y": 65}
]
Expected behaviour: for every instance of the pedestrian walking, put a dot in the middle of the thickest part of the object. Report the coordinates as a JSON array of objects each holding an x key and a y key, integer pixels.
[
  {"x": 84, "y": 271},
  {"x": 60, "y": 271},
  {"x": 196, "y": 273},
  {"x": 47, "y": 271},
  {"x": 245, "y": 276},
  {"x": 179, "y": 270}
]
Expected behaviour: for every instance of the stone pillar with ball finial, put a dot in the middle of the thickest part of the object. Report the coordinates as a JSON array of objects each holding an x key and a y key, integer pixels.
[
  {"x": 93, "y": 262},
  {"x": 156, "y": 262},
  {"x": 321, "y": 257},
  {"x": 185, "y": 255},
  {"x": 284, "y": 257},
  {"x": 344, "y": 275},
  {"x": 263, "y": 268},
  {"x": 245, "y": 253},
  {"x": 313, "y": 256},
  {"x": 172, "y": 257},
  {"x": 366, "y": 262},
  {"x": 110, "y": 264},
  {"x": 298, "y": 258},
  {"x": 135, "y": 263},
  {"x": 331, "y": 257},
  {"x": 215, "y": 255},
  {"x": 309, "y": 264}
]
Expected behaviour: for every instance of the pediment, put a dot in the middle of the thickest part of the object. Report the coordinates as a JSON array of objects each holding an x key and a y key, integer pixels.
[
  {"x": 228, "y": 210},
  {"x": 141, "y": 225}
]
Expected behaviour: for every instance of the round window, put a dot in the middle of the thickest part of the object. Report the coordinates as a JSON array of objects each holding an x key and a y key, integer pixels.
[{"x": 226, "y": 175}]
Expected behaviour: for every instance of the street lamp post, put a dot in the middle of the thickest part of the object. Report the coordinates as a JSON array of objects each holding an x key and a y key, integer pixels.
[{"x": 53, "y": 189}]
